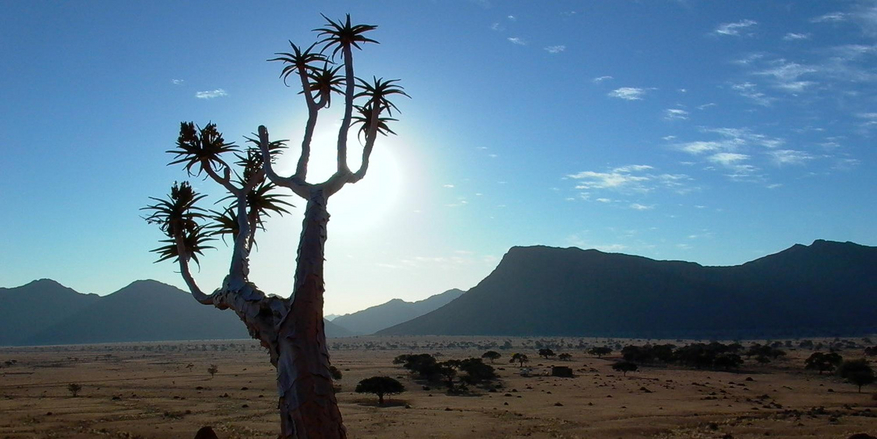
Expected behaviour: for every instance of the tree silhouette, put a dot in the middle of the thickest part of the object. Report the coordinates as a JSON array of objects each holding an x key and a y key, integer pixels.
[
  {"x": 858, "y": 372},
  {"x": 491, "y": 355},
  {"x": 519, "y": 358},
  {"x": 291, "y": 329},
  {"x": 380, "y": 386},
  {"x": 74, "y": 389},
  {"x": 600, "y": 351},
  {"x": 624, "y": 367},
  {"x": 823, "y": 362},
  {"x": 212, "y": 370},
  {"x": 545, "y": 353}
]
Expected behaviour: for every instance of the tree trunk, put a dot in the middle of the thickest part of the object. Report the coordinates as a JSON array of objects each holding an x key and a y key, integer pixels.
[{"x": 308, "y": 408}]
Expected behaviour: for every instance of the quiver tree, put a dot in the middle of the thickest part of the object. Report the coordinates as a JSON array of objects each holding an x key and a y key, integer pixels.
[{"x": 291, "y": 329}]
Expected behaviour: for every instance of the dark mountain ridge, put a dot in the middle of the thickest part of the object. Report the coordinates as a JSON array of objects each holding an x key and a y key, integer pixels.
[
  {"x": 395, "y": 311},
  {"x": 825, "y": 288},
  {"x": 45, "y": 312}
]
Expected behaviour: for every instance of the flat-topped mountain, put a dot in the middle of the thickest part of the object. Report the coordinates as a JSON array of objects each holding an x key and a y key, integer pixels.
[
  {"x": 373, "y": 319},
  {"x": 825, "y": 288}
]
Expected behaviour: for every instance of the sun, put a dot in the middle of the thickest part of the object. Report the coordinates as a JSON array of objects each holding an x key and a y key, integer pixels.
[{"x": 361, "y": 206}]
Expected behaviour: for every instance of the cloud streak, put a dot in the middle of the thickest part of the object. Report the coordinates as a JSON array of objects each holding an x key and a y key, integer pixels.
[
  {"x": 628, "y": 93},
  {"x": 211, "y": 94},
  {"x": 734, "y": 29}
]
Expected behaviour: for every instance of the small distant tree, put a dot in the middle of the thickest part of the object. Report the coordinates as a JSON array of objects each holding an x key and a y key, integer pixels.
[
  {"x": 564, "y": 357},
  {"x": 491, "y": 355},
  {"x": 727, "y": 361},
  {"x": 212, "y": 370},
  {"x": 857, "y": 372},
  {"x": 545, "y": 353},
  {"x": 519, "y": 358},
  {"x": 600, "y": 351},
  {"x": 823, "y": 362},
  {"x": 335, "y": 372},
  {"x": 476, "y": 371},
  {"x": 74, "y": 389},
  {"x": 624, "y": 367},
  {"x": 380, "y": 386}
]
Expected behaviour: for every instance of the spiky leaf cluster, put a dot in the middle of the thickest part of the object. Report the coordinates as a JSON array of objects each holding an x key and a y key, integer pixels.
[
  {"x": 178, "y": 216},
  {"x": 201, "y": 147}
]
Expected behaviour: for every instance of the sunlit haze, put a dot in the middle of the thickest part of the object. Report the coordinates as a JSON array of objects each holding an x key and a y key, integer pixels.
[{"x": 713, "y": 132}]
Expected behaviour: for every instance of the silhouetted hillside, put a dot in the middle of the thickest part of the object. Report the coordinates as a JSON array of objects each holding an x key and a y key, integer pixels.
[
  {"x": 142, "y": 311},
  {"x": 30, "y": 308},
  {"x": 824, "y": 288},
  {"x": 371, "y": 320}
]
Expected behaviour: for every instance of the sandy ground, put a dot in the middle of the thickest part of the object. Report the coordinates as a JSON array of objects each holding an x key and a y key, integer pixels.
[{"x": 163, "y": 390}]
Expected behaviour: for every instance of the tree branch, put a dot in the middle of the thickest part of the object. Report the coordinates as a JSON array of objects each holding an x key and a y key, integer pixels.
[
  {"x": 297, "y": 186},
  {"x": 371, "y": 135},
  {"x": 224, "y": 181},
  {"x": 348, "y": 109}
]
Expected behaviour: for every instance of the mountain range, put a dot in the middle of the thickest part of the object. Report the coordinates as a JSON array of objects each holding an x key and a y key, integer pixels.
[
  {"x": 825, "y": 288},
  {"x": 46, "y": 312},
  {"x": 378, "y": 317}
]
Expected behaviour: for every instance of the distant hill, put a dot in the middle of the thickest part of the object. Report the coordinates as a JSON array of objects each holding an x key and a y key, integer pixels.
[
  {"x": 371, "y": 320},
  {"x": 45, "y": 312},
  {"x": 826, "y": 288},
  {"x": 29, "y": 309}
]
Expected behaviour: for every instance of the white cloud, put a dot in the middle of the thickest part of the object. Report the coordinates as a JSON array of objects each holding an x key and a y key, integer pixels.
[
  {"x": 632, "y": 168},
  {"x": 705, "y": 106},
  {"x": 733, "y": 29},
  {"x": 791, "y": 36},
  {"x": 555, "y": 49},
  {"x": 787, "y": 75},
  {"x": 728, "y": 158},
  {"x": 750, "y": 91},
  {"x": 496, "y": 27},
  {"x": 604, "y": 200},
  {"x": 629, "y": 179},
  {"x": 832, "y": 17},
  {"x": 600, "y": 79},
  {"x": 628, "y": 93},
  {"x": 210, "y": 94},
  {"x": 512, "y": 18},
  {"x": 790, "y": 157},
  {"x": 177, "y": 81},
  {"x": 700, "y": 147},
  {"x": 518, "y": 41},
  {"x": 675, "y": 114},
  {"x": 637, "y": 206},
  {"x": 449, "y": 186}
]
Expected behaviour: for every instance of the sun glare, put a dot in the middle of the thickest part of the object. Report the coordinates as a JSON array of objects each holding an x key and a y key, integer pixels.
[{"x": 363, "y": 205}]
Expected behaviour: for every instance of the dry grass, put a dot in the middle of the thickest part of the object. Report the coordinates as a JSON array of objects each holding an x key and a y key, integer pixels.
[{"x": 146, "y": 390}]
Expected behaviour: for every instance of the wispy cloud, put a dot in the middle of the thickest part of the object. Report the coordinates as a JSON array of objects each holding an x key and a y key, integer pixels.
[
  {"x": 734, "y": 29},
  {"x": 630, "y": 179},
  {"x": 832, "y": 17},
  {"x": 792, "y": 36},
  {"x": 750, "y": 91},
  {"x": 518, "y": 41},
  {"x": 790, "y": 157},
  {"x": 675, "y": 114},
  {"x": 637, "y": 206},
  {"x": 729, "y": 159},
  {"x": 555, "y": 49},
  {"x": 787, "y": 75},
  {"x": 600, "y": 79},
  {"x": 210, "y": 94},
  {"x": 628, "y": 93},
  {"x": 177, "y": 81}
]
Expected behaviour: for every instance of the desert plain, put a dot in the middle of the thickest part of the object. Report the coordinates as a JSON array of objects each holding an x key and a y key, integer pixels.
[{"x": 164, "y": 390}]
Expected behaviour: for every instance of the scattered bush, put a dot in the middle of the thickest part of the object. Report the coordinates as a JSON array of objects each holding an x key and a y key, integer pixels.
[{"x": 74, "y": 389}]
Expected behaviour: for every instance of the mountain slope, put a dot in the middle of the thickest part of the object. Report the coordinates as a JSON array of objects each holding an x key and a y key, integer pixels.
[
  {"x": 44, "y": 312},
  {"x": 373, "y": 319},
  {"x": 29, "y": 309},
  {"x": 823, "y": 288}
]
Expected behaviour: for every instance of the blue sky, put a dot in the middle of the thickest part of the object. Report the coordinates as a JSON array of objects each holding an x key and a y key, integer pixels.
[{"x": 714, "y": 132}]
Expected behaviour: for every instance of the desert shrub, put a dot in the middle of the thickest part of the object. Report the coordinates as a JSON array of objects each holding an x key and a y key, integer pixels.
[
  {"x": 74, "y": 389},
  {"x": 600, "y": 351},
  {"x": 335, "y": 373}
]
